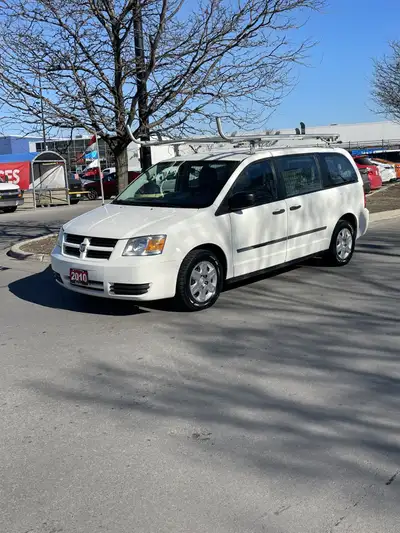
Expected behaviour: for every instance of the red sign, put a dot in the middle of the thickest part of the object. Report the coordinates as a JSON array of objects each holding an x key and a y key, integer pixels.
[{"x": 16, "y": 173}]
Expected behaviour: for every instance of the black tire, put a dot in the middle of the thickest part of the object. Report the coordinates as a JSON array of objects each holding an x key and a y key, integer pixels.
[
  {"x": 93, "y": 194},
  {"x": 11, "y": 209},
  {"x": 336, "y": 256},
  {"x": 184, "y": 294},
  {"x": 367, "y": 188}
]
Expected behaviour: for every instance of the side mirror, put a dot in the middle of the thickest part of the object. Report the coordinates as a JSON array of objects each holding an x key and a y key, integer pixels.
[{"x": 240, "y": 200}]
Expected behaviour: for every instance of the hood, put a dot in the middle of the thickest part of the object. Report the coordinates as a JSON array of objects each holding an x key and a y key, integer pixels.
[
  {"x": 123, "y": 222},
  {"x": 8, "y": 187}
]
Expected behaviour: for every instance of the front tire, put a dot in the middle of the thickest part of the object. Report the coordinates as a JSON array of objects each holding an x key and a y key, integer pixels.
[
  {"x": 342, "y": 244},
  {"x": 200, "y": 281}
]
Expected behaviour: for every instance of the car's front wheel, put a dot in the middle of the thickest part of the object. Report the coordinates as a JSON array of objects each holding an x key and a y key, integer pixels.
[
  {"x": 200, "y": 280},
  {"x": 342, "y": 244}
]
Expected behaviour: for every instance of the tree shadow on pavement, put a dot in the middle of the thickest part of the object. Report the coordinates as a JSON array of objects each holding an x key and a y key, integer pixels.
[
  {"x": 41, "y": 289},
  {"x": 297, "y": 375}
]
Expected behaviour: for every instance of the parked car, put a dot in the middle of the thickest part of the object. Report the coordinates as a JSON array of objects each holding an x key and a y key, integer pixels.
[
  {"x": 374, "y": 176},
  {"x": 93, "y": 188},
  {"x": 76, "y": 190},
  {"x": 110, "y": 185},
  {"x": 387, "y": 172},
  {"x": 395, "y": 168},
  {"x": 11, "y": 197},
  {"x": 222, "y": 217}
]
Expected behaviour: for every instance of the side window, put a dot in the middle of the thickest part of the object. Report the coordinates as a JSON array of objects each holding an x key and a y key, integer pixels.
[
  {"x": 338, "y": 170},
  {"x": 257, "y": 178},
  {"x": 300, "y": 174}
]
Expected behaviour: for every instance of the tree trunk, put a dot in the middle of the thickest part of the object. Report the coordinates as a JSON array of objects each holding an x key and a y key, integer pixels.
[{"x": 121, "y": 165}]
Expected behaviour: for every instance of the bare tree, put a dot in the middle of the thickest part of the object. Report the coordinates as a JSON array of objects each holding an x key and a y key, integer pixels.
[
  {"x": 386, "y": 83},
  {"x": 160, "y": 65}
]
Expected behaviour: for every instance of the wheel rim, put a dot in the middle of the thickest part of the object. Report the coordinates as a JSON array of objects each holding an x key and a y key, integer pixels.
[
  {"x": 203, "y": 282},
  {"x": 92, "y": 195},
  {"x": 344, "y": 244}
]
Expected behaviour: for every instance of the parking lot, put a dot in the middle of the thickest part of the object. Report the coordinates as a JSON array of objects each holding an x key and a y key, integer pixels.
[{"x": 274, "y": 411}]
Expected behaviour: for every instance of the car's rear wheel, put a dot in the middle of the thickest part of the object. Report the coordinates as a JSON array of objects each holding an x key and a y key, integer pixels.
[
  {"x": 92, "y": 195},
  {"x": 200, "y": 280},
  {"x": 342, "y": 244}
]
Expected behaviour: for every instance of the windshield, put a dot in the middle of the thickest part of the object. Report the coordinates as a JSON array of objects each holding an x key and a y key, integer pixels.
[{"x": 186, "y": 184}]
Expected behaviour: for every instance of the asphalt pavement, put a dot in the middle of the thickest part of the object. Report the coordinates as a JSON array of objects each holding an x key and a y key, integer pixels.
[
  {"x": 275, "y": 411},
  {"x": 28, "y": 224}
]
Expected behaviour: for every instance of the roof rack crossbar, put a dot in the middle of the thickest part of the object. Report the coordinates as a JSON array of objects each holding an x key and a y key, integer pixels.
[{"x": 222, "y": 138}]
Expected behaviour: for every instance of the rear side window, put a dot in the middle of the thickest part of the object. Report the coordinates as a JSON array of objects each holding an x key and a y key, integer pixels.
[
  {"x": 299, "y": 173},
  {"x": 337, "y": 170}
]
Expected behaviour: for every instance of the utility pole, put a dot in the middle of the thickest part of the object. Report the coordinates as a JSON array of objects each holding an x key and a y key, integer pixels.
[{"x": 145, "y": 151}]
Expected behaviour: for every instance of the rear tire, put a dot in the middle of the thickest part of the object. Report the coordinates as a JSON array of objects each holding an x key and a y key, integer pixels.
[
  {"x": 342, "y": 244},
  {"x": 11, "y": 209},
  {"x": 200, "y": 281}
]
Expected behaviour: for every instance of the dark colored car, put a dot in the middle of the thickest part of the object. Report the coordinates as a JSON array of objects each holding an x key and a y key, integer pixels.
[
  {"x": 110, "y": 185},
  {"x": 76, "y": 190}
]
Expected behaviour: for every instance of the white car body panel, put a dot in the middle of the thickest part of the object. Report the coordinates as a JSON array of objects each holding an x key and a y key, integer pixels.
[
  {"x": 251, "y": 240},
  {"x": 386, "y": 171},
  {"x": 10, "y": 195}
]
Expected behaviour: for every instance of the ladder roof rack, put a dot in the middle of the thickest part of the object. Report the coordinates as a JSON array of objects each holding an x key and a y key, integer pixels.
[{"x": 222, "y": 138}]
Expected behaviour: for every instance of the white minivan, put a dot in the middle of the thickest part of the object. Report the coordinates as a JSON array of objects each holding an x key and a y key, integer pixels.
[{"x": 188, "y": 225}]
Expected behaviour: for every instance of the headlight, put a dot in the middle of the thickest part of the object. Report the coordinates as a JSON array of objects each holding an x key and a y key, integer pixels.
[
  {"x": 60, "y": 237},
  {"x": 149, "y": 245}
]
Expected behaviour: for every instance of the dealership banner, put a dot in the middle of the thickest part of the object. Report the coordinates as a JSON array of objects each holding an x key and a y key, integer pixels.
[{"x": 17, "y": 173}]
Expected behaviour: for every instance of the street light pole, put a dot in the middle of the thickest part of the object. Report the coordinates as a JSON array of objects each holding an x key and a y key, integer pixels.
[{"x": 145, "y": 151}]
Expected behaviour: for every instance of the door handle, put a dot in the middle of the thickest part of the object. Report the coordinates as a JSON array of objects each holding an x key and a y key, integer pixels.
[
  {"x": 278, "y": 212},
  {"x": 294, "y": 207}
]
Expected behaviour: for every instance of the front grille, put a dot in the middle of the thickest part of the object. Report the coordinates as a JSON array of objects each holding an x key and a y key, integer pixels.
[
  {"x": 9, "y": 195},
  {"x": 68, "y": 250},
  {"x": 103, "y": 243},
  {"x": 98, "y": 254},
  {"x": 73, "y": 239},
  {"x": 96, "y": 247},
  {"x": 129, "y": 289}
]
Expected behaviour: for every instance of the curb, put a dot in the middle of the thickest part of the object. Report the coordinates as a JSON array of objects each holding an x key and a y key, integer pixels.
[
  {"x": 384, "y": 215},
  {"x": 16, "y": 252}
]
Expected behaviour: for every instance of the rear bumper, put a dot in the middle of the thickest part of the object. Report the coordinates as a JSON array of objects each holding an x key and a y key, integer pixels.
[
  {"x": 77, "y": 194},
  {"x": 136, "y": 278}
]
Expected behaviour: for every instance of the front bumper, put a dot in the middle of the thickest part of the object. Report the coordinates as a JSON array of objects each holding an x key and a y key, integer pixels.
[
  {"x": 121, "y": 278},
  {"x": 11, "y": 202}
]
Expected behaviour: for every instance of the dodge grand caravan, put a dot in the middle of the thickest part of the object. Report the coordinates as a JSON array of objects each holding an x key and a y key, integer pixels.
[{"x": 185, "y": 228}]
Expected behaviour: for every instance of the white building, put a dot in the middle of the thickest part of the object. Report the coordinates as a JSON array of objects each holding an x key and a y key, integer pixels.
[{"x": 362, "y": 133}]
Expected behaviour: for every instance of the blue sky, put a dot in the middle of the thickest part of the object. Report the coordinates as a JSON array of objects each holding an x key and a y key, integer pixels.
[{"x": 335, "y": 88}]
